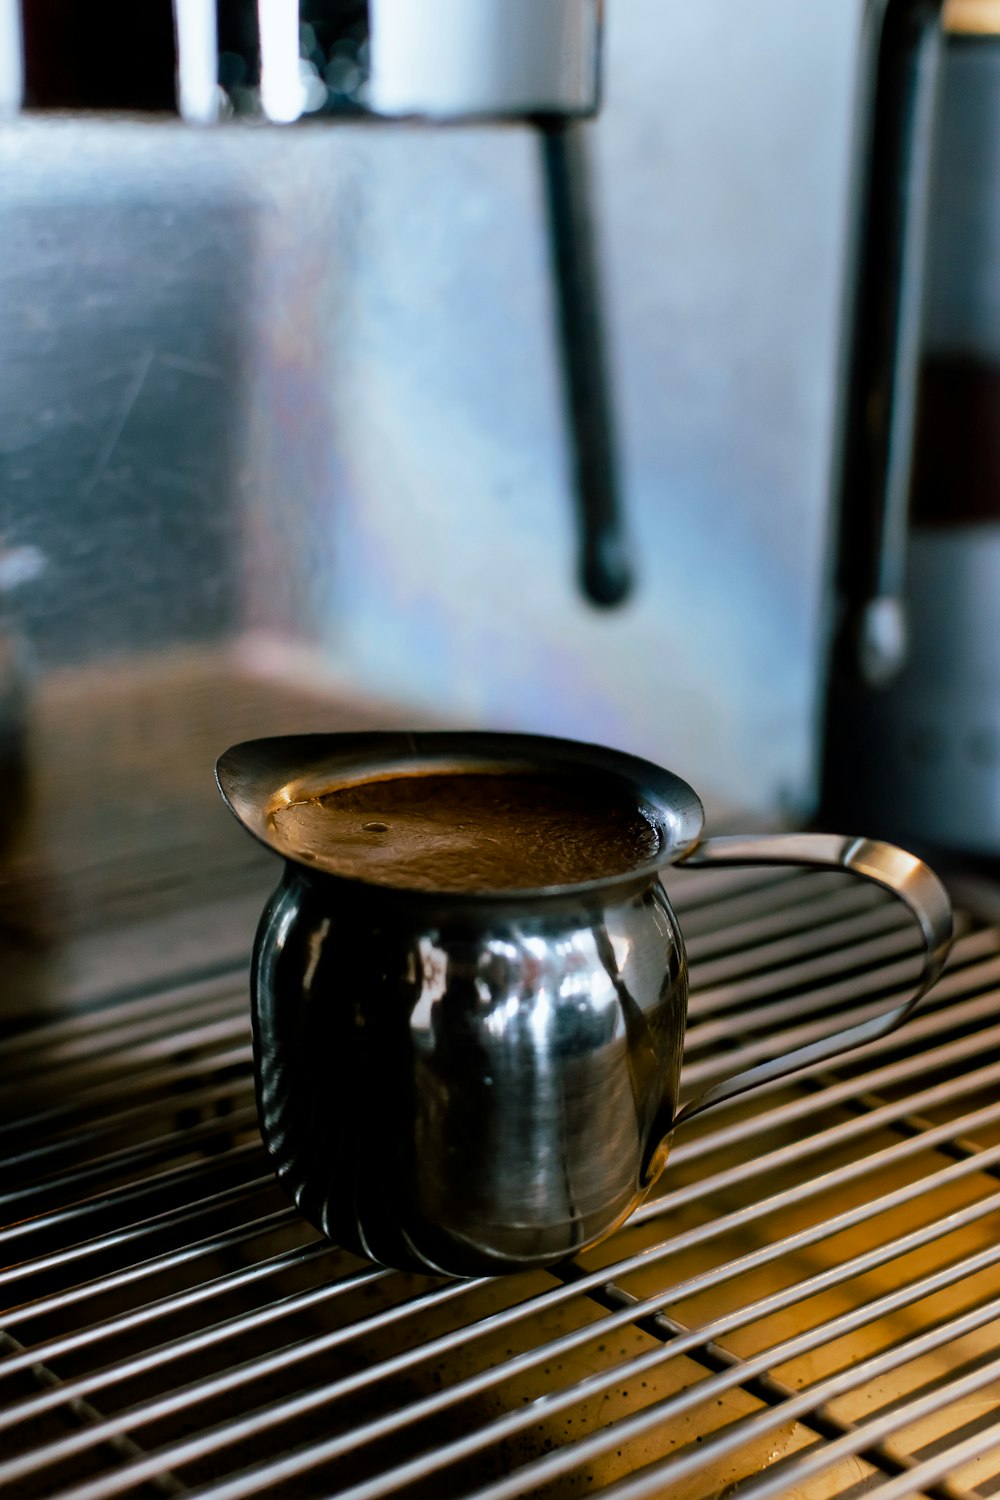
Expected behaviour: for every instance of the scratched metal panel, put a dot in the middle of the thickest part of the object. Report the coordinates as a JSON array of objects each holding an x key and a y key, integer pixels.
[
  {"x": 380, "y": 468},
  {"x": 122, "y": 328}
]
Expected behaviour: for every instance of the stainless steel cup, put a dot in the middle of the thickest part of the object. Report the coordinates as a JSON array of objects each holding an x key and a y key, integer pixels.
[{"x": 469, "y": 1083}]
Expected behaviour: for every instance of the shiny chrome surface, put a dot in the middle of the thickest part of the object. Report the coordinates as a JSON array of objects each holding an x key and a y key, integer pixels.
[
  {"x": 286, "y": 60},
  {"x": 466, "y": 1094},
  {"x": 895, "y": 135},
  {"x": 469, "y": 1084},
  {"x": 241, "y": 364},
  {"x": 446, "y": 58},
  {"x": 811, "y": 1308},
  {"x": 903, "y": 874}
]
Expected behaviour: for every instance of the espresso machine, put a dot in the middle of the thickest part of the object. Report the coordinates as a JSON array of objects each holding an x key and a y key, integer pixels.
[
  {"x": 620, "y": 371},
  {"x": 786, "y": 611}
]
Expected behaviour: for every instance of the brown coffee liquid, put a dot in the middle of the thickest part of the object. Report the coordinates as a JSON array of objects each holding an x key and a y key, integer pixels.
[{"x": 472, "y": 831}]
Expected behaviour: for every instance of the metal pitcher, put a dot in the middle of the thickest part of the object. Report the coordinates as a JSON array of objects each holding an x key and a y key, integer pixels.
[{"x": 477, "y": 1081}]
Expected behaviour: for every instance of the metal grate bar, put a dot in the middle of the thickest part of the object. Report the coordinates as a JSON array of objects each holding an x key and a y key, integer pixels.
[
  {"x": 129, "y": 1193},
  {"x": 161, "y": 1355},
  {"x": 202, "y": 1390},
  {"x": 841, "y": 1091},
  {"x": 102, "y": 1010},
  {"x": 798, "y": 1406},
  {"x": 630, "y": 1310},
  {"x": 925, "y": 1098},
  {"x": 864, "y": 1166},
  {"x": 755, "y": 945},
  {"x": 547, "y": 1351},
  {"x": 116, "y": 1091},
  {"x": 890, "y": 981},
  {"x": 113, "y": 1027},
  {"x": 772, "y": 1392},
  {"x": 807, "y": 967},
  {"x": 678, "y": 1154},
  {"x": 167, "y": 1306},
  {"x": 799, "y": 1108},
  {"x": 82, "y": 1140},
  {"x": 170, "y": 1044},
  {"x": 934, "y": 1469},
  {"x": 794, "y": 973},
  {"x": 863, "y": 1124},
  {"x": 120, "y": 1239},
  {"x": 915, "y": 1124},
  {"x": 807, "y": 999},
  {"x": 692, "y": 890},
  {"x": 648, "y": 1485},
  {"x": 164, "y": 1147},
  {"x": 970, "y": 947},
  {"x": 157, "y": 1038},
  {"x": 121, "y": 1446},
  {"x": 754, "y": 918},
  {"x": 788, "y": 948}
]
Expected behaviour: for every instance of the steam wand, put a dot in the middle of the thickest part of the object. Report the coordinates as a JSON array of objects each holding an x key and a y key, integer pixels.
[
  {"x": 604, "y": 569},
  {"x": 901, "y": 46},
  {"x": 897, "y": 103}
]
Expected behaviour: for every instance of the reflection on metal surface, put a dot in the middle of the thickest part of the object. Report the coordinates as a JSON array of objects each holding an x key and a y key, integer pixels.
[
  {"x": 464, "y": 1092},
  {"x": 446, "y": 58},
  {"x": 311, "y": 431},
  {"x": 198, "y": 93},
  {"x": 11, "y": 66},
  {"x": 282, "y": 92},
  {"x": 810, "y": 1308},
  {"x": 283, "y": 60}
]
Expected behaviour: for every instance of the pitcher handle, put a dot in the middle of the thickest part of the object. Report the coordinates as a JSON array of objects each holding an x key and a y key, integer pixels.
[{"x": 903, "y": 874}]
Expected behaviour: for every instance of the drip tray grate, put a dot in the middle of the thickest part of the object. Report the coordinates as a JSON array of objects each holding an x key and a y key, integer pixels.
[{"x": 809, "y": 1308}]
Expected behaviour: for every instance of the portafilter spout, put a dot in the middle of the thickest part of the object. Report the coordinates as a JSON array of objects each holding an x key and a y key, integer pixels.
[{"x": 290, "y": 60}]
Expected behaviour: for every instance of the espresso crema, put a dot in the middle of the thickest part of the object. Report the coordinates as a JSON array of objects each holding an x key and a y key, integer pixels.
[{"x": 472, "y": 831}]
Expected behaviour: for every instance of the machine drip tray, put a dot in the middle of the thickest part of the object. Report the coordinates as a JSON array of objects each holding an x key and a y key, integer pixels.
[{"x": 808, "y": 1308}]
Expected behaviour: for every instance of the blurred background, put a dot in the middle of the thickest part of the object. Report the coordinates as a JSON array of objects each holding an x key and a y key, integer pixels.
[{"x": 283, "y": 442}]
